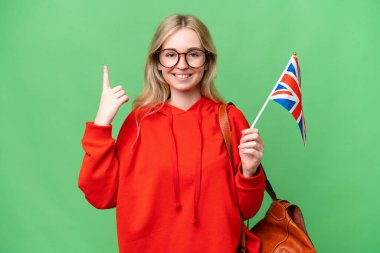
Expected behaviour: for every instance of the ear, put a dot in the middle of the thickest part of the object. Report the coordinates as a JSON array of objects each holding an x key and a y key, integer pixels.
[{"x": 159, "y": 67}]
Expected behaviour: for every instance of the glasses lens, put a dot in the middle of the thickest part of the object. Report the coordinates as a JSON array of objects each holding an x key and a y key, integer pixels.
[
  {"x": 195, "y": 58},
  {"x": 168, "y": 58}
]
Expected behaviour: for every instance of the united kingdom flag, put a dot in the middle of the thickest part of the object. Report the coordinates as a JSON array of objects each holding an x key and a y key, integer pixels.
[{"x": 287, "y": 93}]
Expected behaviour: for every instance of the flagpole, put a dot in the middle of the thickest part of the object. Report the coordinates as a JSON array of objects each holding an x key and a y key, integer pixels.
[
  {"x": 266, "y": 102},
  {"x": 262, "y": 108}
]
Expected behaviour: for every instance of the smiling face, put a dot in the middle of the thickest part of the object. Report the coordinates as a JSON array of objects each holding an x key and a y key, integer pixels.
[{"x": 181, "y": 77}]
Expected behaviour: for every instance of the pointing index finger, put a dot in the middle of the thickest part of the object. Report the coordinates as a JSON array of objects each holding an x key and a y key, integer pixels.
[{"x": 106, "y": 81}]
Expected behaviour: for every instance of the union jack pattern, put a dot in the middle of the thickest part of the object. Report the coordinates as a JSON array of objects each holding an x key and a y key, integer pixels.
[{"x": 287, "y": 93}]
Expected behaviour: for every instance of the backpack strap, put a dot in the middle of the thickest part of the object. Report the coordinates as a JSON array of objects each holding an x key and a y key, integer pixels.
[{"x": 225, "y": 127}]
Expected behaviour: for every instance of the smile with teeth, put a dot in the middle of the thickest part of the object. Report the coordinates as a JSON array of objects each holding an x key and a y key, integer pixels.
[{"x": 182, "y": 76}]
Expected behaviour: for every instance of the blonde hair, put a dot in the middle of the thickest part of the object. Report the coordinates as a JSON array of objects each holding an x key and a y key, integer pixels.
[{"x": 156, "y": 91}]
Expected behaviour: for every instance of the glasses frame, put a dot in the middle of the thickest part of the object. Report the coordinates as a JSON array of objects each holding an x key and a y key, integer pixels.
[{"x": 157, "y": 53}]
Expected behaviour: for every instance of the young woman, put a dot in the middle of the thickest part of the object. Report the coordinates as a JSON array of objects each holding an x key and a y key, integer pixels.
[{"x": 168, "y": 174}]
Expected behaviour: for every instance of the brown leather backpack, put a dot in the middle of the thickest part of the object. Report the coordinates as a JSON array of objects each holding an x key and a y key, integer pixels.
[{"x": 282, "y": 230}]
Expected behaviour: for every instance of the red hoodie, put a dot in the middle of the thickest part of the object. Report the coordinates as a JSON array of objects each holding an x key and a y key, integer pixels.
[{"x": 171, "y": 181}]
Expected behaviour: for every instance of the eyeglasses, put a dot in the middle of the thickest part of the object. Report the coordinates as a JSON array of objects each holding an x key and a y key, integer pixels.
[{"x": 195, "y": 58}]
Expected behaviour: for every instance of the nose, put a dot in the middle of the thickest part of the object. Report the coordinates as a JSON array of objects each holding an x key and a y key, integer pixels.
[{"x": 182, "y": 64}]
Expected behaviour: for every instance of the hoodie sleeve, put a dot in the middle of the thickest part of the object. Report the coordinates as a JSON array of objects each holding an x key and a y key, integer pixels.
[
  {"x": 250, "y": 190},
  {"x": 98, "y": 176}
]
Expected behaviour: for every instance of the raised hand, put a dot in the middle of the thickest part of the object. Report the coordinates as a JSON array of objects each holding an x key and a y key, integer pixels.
[
  {"x": 110, "y": 102},
  {"x": 251, "y": 150}
]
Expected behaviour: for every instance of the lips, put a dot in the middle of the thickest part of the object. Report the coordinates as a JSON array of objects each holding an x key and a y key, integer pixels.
[{"x": 182, "y": 76}]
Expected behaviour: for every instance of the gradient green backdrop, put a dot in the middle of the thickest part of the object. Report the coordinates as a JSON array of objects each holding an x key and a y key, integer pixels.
[{"x": 51, "y": 58}]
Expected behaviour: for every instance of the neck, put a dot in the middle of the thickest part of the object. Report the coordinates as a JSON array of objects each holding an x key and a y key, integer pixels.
[{"x": 184, "y": 100}]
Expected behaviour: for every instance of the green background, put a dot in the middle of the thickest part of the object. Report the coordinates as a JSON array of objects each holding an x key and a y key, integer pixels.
[{"x": 51, "y": 58}]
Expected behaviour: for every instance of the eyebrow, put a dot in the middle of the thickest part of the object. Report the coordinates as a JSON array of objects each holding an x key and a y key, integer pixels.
[{"x": 189, "y": 49}]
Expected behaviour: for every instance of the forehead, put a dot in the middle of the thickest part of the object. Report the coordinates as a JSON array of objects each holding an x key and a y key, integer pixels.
[{"x": 182, "y": 40}]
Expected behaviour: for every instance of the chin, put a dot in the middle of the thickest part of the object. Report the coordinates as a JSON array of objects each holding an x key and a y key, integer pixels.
[{"x": 184, "y": 87}]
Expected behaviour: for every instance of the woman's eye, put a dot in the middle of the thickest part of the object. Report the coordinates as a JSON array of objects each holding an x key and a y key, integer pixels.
[
  {"x": 193, "y": 54},
  {"x": 170, "y": 55}
]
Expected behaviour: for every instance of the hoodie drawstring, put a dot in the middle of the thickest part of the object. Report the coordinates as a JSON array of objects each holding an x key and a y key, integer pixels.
[
  {"x": 198, "y": 172},
  {"x": 175, "y": 165}
]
